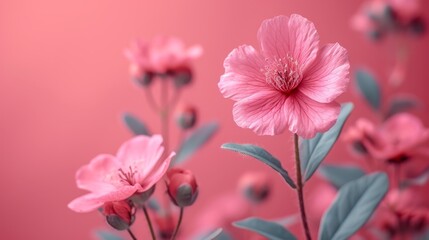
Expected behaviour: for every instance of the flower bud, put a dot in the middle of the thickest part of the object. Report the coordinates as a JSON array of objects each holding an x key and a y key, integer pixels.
[
  {"x": 182, "y": 187},
  {"x": 119, "y": 214},
  {"x": 255, "y": 186},
  {"x": 165, "y": 224},
  {"x": 186, "y": 117},
  {"x": 140, "y": 76}
]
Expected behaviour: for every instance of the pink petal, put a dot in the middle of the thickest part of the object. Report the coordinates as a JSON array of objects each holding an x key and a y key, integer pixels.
[
  {"x": 307, "y": 117},
  {"x": 243, "y": 76},
  {"x": 92, "y": 201},
  {"x": 94, "y": 176},
  {"x": 303, "y": 40},
  {"x": 296, "y": 36},
  {"x": 328, "y": 76},
  {"x": 262, "y": 112},
  {"x": 156, "y": 174},
  {"x": 141, "y": 153}
]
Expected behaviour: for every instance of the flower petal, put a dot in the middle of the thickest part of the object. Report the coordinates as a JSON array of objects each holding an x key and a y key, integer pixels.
[
  {"x": 262, "y": 112},
  {"x": 303, "y": 40},
  {"x": 307, "y": 117},
  {"x": 92, "y": 201},
  {"x": 94, "y": 176},
  {"x": 293, "y": 36},
  {"x": 243, "y": 76},
  {"x": 328, "y": 76},
  {"x": 141, "y": 153},
  {"x": 156, "y": 174}
]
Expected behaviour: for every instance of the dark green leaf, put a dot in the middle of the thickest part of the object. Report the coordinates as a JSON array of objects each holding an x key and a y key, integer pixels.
[
  {"x": 355, "y": 203},
  {"x": 340, "y": 175},
  {"x": 267, "y": 229},
  {"x": 313, "y": 151},
  {"x": 106, "y": 235},
  {"x": 401, "y": 104},
  {"x": 197, "y": 139},
  {"x": 261, "y": 155},
  {"x": 135, "y": 125},
  {"x": 369, "y": 88}
]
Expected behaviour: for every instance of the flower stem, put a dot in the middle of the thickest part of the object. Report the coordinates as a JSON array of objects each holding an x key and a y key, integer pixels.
[
  {"x": 299, "y": 189},
  {"x": 178, "y": 224},
  {"x": 149, "y": 223},
  {"x": 131, "y": 234}
]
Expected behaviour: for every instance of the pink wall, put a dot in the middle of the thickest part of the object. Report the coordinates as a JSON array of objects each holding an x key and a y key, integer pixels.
[{"x": 64, "y": 83}]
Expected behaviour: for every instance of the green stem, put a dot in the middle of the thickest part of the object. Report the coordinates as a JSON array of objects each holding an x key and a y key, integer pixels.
[
  {"x": 299, "y": 189},
  {"x": 149, "y": 223},
  {"x": 178, "y": 224},
  {"x": 131, "y": 234}
]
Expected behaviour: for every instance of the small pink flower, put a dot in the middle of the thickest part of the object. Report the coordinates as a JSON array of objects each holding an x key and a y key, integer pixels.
[
  {"x": 160, "y": 55},
  {"x": 255, "y": 186},
  {"x": 400, "y": 138},
  {"x": 136, "y": 168},
  {"x": 292, "y": 83}
]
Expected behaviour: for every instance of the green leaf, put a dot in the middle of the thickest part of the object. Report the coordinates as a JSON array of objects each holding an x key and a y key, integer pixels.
[
  {"x": 197, "y": 139},
  {"x": 340, "y": 175},
  {"x": 369, "y": 88},
  {"x": 133, "y": 124},
  {"x": 106, "y": 235},
  {"x": 313, "y": 151},
  {"x": 287, "y": 221},
  {"x": 401, "y": 104},
  {"x": 214, "y": 234},
  {"x": 355, "y": 203},
  {"x": 271, "y": 230},
  {"x": 261, "y": 155}
]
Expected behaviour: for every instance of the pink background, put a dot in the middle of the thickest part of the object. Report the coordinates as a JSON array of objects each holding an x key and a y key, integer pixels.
[{"x": 64, "y": 83}]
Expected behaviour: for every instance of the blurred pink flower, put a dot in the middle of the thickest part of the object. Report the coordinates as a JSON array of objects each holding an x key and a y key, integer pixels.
[
  {"x": 136, "y": 167},
  {"x": 400, "y": 137},
  {"x": 405, "y": 215},
  {"x": 370, "y": 17},
  {"x": 160, "y": 55},
  {"x": 291, "y": 83},
  {"x": 406, "y": 10},
  {"x": 255, "y": 186}
]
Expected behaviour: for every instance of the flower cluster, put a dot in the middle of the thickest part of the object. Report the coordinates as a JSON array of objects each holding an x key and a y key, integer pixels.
[{"x": 378, "y": 18}]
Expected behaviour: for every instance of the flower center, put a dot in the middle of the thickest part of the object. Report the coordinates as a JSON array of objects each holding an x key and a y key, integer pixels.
[
  {"x": 127, "y": 177},
  {"x": 283, "y": 74}
]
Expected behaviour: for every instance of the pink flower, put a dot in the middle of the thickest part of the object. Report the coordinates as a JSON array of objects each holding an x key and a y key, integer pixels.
[
  {"x": 160, "y": 55},
  {"x": 292, "y": 83},
  {"x": 400, "y": 138},
  {"x": 136, "y": 168}
]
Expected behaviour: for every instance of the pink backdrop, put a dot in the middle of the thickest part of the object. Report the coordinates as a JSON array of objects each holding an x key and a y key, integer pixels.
[{"x": 64, "y": 83}]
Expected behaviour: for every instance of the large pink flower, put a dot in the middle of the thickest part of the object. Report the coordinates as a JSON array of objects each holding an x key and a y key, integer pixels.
[
  {"x": 160, "y": 55},
  {"x": 136, "y": 168},
  {"x": 292, "y": 83}
]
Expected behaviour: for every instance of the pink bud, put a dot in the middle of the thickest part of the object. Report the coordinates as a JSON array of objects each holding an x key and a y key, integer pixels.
[
  {"x": 182, "y": 187},
  {"x": 118, "y": 214},
  {"x": 166, "y": 225},
  {"x": 186, "y": 117},
  {"x": 255, "y": 186}
]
